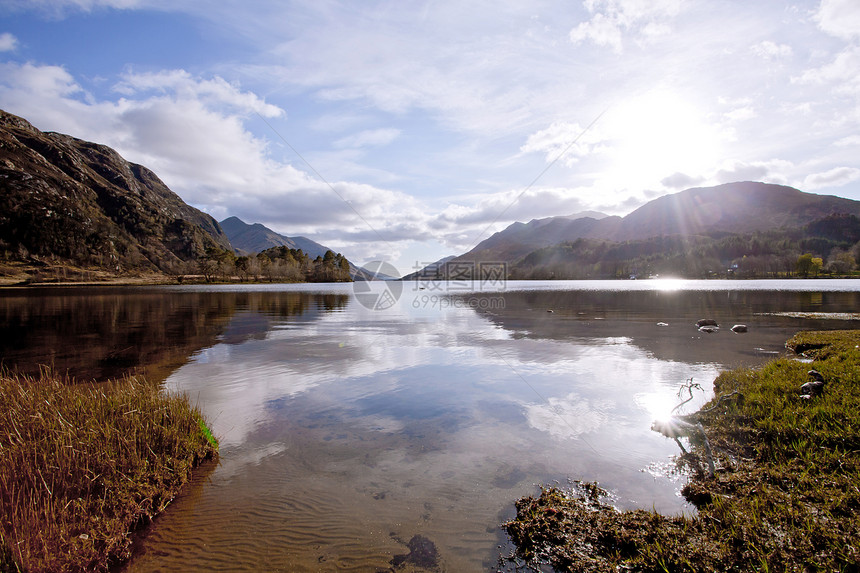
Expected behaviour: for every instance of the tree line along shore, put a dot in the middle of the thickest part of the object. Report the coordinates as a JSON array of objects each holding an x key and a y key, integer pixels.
[{"x": 278, "y": 264}]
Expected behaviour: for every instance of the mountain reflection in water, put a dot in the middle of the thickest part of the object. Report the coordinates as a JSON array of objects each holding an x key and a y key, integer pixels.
[
  {"x": 352, "y": 439},
  {"x": 102, "y": 333}
]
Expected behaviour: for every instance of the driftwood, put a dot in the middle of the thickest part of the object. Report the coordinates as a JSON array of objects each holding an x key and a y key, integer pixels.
[{"x": 677, "y": 427}]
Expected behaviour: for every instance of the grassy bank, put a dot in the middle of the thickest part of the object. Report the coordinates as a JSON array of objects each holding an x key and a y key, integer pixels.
[
  {"x": 785, "y": 496},
  {"x": 82, "y": 465}
]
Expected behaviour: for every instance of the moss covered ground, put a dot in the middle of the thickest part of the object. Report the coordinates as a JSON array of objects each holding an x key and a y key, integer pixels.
[{"x": 785, "y": 496}]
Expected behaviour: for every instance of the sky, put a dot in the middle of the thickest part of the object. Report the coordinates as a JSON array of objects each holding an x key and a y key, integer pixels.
[{"x": 406, "y": 131}]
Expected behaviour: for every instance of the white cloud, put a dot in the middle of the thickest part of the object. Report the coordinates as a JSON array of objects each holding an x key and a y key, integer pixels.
[
  {"x": 369, "y": 138},
  {"x": 601, "y": 30},
  {"x": 192, "y": 132},
  {"x": 740, "y": 114},
  {"x": 182, "y": 86},
  {"x": 47, "y": 96},
  {"x": 8, "y": 42},
  {"x": 451, "y": 67},
  {"x": 563, "y": 137},
  {"x": 844, "y": 71},
  {"x": 841, "y": 79},
  {"x": 569, "y": 417},
  {"x": 681, "y": 181},
  {"x": 771, "y": 51},
  {"x": 485, "y": 69},
  {"x": 514, "y": 205},
  {"x": 612, "y": 19},
  {"x": 840, "y": 18},
  {"x": 836, "y": 177},
  {"x": 850, "y": 141},
  {"x": 740, "y": 171},
  {"x": 52, "y": 81},
  {"x": 60, "y": 8}
]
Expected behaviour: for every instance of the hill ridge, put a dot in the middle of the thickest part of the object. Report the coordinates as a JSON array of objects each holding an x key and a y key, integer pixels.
[
  {"x": 730, "y": 208},
  {"x": 83, "y": 202}
]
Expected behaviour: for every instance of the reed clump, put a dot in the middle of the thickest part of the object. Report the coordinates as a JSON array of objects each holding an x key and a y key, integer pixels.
[
  {"x": 785, "y": 496},
  {"x": 84, "y": 465}
]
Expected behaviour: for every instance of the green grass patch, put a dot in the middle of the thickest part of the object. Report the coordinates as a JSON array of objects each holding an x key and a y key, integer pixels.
[
  {"x": 83, "y": 465},
  {"x": 785, "y": 497}
]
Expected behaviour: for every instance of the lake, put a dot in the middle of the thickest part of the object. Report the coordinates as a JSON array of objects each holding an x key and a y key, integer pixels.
[{"x": 366, "y": 429}]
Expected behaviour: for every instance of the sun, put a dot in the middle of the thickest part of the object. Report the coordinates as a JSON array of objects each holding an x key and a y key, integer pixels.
[
  {"x": 658, "y": 405},
  {"x": 653, "y": 135}
]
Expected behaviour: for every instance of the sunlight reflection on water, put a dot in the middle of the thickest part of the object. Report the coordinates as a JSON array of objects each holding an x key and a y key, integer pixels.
[
  {"x": 432, "y": 421},
  {"x": 345, "y": 431}
]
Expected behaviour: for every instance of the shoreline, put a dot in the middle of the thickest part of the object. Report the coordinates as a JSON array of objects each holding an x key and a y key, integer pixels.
[
  {"x": 163, "y": 280},
  {"x": 784, "y": 496}
]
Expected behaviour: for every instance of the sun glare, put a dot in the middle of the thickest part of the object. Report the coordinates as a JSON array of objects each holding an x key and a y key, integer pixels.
[
  {"x": 658, "y": 406},
  {"x": 668, "y": 283},
  {"x": 657, "y": 134}
]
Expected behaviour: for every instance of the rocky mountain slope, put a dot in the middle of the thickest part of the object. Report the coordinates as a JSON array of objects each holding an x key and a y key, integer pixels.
[
  {"x": 82, "y": 202},
  {"x": 732, "y": 208},
  {"x": 519, "y": 239},
  {"x": 741, "y": 207}
]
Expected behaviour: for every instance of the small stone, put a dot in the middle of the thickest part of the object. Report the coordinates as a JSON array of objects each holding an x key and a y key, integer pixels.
[
  {"x": 812, "y": 388},
  {"x": 816, "y": 375}
]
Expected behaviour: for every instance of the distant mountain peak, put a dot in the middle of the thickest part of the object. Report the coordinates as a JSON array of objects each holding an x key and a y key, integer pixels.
[
  {"x": 587, "y": 215},
  {"x": 255, "y": 237}
]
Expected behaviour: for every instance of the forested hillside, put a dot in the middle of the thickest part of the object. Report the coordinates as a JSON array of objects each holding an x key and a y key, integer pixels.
[{"x": 828, "y": 246}]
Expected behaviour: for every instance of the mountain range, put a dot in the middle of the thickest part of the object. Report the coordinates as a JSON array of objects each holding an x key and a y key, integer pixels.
[
  {"x": 706, "y": 222},
  {"x": 732, "y": 208},
  {"x": 81, "y": 202}
]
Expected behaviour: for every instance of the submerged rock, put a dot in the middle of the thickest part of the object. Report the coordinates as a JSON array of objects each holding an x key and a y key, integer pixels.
[
  {"x": 709, "y": 329},
  {"x": 706, "y": 322},
  {"x": 740, "y": 328},
  {"x": 422, "y": 553}
]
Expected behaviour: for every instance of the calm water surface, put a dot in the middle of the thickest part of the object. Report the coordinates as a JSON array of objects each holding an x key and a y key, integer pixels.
[{"x": 346, "y": 432}]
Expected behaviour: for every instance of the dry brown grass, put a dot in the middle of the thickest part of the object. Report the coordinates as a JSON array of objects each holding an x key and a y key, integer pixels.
[{"x": 83, "y": 465}]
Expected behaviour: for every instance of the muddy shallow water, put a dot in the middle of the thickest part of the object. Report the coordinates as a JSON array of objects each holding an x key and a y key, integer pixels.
[{"x": 397, "y": 440}]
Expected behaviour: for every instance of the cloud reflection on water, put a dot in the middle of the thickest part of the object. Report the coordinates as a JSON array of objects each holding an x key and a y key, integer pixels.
[
  {"x": 384, "y": 377},
  {"x": 433, "y": 422}
]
